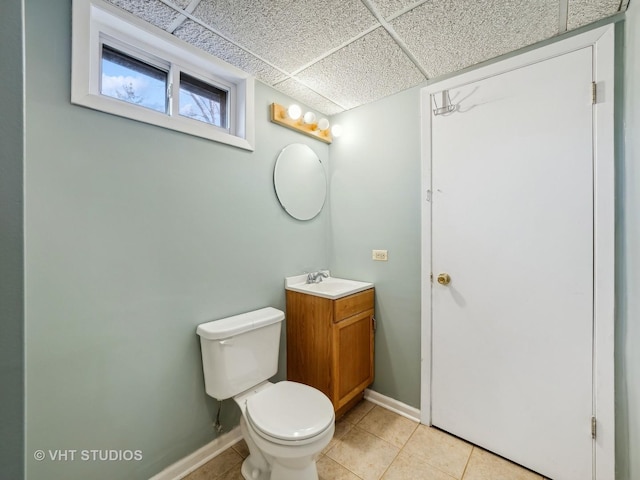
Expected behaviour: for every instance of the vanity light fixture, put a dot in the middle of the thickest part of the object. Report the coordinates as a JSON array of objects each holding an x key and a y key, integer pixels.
[
  {"x": 323, "y": 124},
  {"x": 294, "y": 111},
  {"x": 290, "y": 117},
  {"x": 309, "y": 118}
]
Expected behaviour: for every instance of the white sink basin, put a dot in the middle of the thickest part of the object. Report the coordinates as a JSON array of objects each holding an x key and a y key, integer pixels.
[{"x": 331, "y": 287}]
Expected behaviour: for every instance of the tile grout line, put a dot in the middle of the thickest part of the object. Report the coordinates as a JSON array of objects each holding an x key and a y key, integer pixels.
[
  {"x": 339, "y": 439},
  {"x": 400, "y": 449},
  {"x": 338, "y": 463},
  {"x": 391, "y": 463},
  {"x": 355, "y": 426},
  {"x": 464, "y": 472},
  {"x": 373, "y": 434},
  {"x": 435, "y": 467},
  {"x": 347, "y": 469},
  {"x": 386, "y": 441},
  {"x": 235, "y": 448},
  {"x": 417, "y": 424},
  {"x": 234, "y": 465}
]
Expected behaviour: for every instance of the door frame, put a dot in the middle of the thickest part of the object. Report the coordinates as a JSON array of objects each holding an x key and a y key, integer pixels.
[{"x": 603, "y": 42}]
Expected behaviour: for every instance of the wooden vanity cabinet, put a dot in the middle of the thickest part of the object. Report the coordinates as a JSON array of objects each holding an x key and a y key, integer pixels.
[{"x": 330, "y": 344}]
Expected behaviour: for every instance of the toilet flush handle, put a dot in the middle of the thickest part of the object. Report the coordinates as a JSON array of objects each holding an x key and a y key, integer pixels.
[{"x": 228, "y": 341}]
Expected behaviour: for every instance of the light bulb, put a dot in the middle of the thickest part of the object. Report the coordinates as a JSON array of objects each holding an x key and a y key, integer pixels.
[
  {"x": 337, "y": 130},
  {"x": 294, "y": 112},
  {"x": 323, "y": 124},
  {"x": 309, "y": 118}
]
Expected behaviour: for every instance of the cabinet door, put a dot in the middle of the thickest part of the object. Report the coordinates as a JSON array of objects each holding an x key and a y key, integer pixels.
[
  {"x": 352, "y": 356},
  {"x": 309, "y": 339}
]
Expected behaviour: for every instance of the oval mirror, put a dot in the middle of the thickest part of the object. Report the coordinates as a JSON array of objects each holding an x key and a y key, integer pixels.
[{"x": 300, "y": 181}]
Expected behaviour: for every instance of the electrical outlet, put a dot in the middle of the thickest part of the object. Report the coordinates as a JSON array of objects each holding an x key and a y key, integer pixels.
[{"x": 379, "y": 255}]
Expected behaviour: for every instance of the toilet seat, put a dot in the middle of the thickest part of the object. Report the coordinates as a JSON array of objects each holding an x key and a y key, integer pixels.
[{"x": 289, "y": 412}]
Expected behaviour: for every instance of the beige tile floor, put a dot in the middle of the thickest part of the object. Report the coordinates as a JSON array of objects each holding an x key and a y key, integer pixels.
[{"x": 371, "y": 443}]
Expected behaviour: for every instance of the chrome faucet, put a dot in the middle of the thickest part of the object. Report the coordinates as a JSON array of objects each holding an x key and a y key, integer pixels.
[{"x": 316, "y": 277}]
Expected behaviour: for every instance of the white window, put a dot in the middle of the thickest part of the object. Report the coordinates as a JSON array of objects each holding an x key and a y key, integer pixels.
[
  {"x": 202, "y": 101},
  {"x": 132, "y": 80},
  {"x": 123, "y": 66}
]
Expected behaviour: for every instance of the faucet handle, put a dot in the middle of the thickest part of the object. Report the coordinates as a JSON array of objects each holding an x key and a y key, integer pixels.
[{"x": 316, "y": 277}]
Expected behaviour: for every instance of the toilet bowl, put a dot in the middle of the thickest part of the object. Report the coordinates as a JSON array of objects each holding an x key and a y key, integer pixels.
[{"x": 286, "y": 424}]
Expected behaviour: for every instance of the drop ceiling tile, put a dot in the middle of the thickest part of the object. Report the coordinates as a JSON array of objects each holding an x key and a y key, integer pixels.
[
  {"x": 389, "y": 7},
  {"x": 152, "y": 11},
  {"x": 583, "y": 12},
  {"x": 205, "y": 39},
  {"x": 181, "y": 3},
  {"x": 370, "y": 68},
  {"x": 446, "y": 36},
  {"x": 287, "y": 34},
  {"x": 308, "y": 97}
]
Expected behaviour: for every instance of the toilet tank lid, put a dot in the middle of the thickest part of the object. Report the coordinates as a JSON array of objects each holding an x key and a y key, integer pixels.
[{"x": 230, "y": 326}]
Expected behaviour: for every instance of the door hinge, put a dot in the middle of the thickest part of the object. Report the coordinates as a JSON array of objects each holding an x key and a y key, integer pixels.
[
  {"x": 594, "y": 93},
  {"x": 593, "y": 427}
]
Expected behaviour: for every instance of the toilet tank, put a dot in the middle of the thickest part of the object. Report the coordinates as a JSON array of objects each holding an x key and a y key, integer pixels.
[{"x": 240, "y": 352}]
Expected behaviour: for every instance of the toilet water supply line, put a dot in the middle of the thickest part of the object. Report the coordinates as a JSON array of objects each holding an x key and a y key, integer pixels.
[{"x": 218, "y": 425}]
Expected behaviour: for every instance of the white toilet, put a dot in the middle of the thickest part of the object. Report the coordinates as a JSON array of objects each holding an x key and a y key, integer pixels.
[{"x": 286, "y": 424}]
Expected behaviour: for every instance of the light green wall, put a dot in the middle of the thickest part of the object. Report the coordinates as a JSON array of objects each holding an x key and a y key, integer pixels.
[
  {"x": 628, "y": 257},
  {"x": 11, "y": 242},
  {"x": 135, "y": 235},
  {"x": 374, "y": 202}
]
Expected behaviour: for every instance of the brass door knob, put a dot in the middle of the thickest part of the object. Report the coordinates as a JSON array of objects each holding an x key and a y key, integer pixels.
[{"x": 444, "y": 279}]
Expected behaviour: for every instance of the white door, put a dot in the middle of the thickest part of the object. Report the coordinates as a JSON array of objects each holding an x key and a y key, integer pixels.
[{"x": 512, "y": 224}]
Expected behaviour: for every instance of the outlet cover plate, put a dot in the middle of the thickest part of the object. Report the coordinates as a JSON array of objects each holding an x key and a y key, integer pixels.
[{"x": 379, "y": 255}]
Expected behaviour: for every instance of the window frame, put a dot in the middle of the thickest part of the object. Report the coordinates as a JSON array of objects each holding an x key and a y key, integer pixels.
[{"x": 96, "y": 22}]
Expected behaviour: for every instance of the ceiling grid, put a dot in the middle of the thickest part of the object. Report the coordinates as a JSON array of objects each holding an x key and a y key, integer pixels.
[
  {"x": 181, "y": 18},
  {"x": 338, "y": 54},
  {"x": 403, "y": 46},
  {"x": 563, "y": 19}
]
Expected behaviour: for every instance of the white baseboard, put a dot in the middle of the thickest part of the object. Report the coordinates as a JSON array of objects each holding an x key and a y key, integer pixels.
[
  {"x": 195, "y": 460},
  {"x": 395, "y": 406}
]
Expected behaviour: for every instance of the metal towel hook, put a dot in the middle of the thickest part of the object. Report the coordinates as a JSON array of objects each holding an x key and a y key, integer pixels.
[{"x": 447, "y": 106}]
